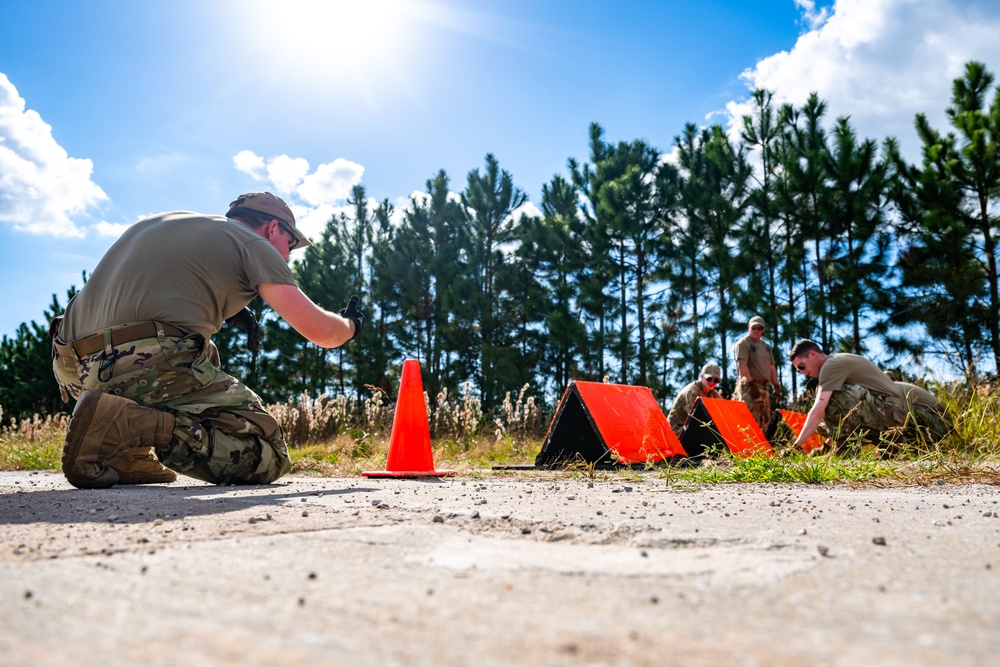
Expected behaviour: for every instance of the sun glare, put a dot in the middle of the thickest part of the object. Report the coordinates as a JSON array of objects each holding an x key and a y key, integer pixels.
[{"x": 336, "y": 41}]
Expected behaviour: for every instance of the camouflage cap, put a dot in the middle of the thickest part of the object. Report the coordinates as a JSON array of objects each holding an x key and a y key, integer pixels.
[
  {"x": 265, "y": 202},
  {"x": 711, "y": 370}
]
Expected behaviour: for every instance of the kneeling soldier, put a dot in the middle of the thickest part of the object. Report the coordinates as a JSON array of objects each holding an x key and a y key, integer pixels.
[
  {"x": 855, "y": 398},
  {"x": 135, "y": 347}
]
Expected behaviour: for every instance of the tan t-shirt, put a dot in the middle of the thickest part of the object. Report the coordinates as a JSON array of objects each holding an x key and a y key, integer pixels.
[
  {"x": 758, "y": 356},
  {"x": 186, "y": 269},
  {"x": 844, "y": 368}
]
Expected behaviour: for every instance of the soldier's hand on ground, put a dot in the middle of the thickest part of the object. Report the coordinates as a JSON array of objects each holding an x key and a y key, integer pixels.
[
  {"x": 352, "y": 313},
  {"x": 247, "y": 322}
]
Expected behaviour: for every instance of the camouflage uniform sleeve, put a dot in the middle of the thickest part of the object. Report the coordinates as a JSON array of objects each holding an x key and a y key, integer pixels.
[{"x": 680, "y": 409}]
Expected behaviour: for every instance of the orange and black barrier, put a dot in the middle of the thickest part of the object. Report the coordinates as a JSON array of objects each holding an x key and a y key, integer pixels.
[
  {"x": 608, "y": 425},
  {"x": 716, "y": 424},
  {"x": 784, "y": 428}
]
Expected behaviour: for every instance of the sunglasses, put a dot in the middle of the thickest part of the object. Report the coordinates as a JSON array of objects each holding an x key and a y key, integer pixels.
[
  {"x": 295, "y": 239},
  {"x": 713, "y": 380},
  {"x": 800, "y": 367},
  {"x": 756, "y": 327}
]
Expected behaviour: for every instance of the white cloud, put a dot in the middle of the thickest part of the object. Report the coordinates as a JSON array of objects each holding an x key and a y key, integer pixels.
[
  {"x": 312, "y": 220},
  {"x": 881, "y": 62},
  {"x": 422, "y": 198},
  {"x": 286, "y": 173},
  {"x": 814, "y": 18},
  {"x": 41, "y": 187},
  {"x": 110, "y": 229},
  {"x": 249, "y": 163},
  {"x": 418, "y": 198},
  {"x": 313, "y": 197},
  {"x": 528, "y": 208},
  {"x": 331, "y": 182}
]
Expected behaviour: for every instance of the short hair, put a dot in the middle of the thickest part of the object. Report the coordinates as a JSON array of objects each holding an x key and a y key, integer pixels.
[
  {"x": 803, "y": 347},
  {"x": 253, "y": 219}
]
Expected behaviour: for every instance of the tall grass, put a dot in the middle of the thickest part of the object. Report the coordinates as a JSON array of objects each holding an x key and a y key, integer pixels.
[
  {"x": 976, "y": 413},
  {"x": 333, "y": 435},
  {"x": 33, "y": 444}
]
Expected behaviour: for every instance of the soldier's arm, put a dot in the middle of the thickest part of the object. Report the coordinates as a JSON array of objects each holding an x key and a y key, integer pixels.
[
  {"x": 814, "y": 417},
  {"x": 318, "y": 325},
  {"x": 678, "y": 413}
]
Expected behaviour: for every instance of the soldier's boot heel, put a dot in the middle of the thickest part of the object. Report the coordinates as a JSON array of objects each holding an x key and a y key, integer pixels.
[{"x": 102, "y": 427}]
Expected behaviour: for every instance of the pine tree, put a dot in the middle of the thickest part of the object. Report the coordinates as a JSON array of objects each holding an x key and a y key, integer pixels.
[
  {"x": 761, "y": 241},
  {"x": 637, "y": 198},
  {"x": 713, "y": 198},
  {"x": 490, "y": 199},
  {"x": 550, "y": 245},
  {"x": 804, "y": 191},
  {"x": 424, "y": 280},
  {"x": 27, "y": 386},
  {"x": 860, "y": 274}
]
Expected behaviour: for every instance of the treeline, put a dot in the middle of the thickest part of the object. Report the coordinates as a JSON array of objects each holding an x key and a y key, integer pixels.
[{"x": 644, "y": 264}]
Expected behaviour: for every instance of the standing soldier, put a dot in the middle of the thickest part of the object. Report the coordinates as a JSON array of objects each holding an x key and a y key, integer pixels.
[
  {"x": 703, "y": 387},
  {"x": 757, "y": 372}
]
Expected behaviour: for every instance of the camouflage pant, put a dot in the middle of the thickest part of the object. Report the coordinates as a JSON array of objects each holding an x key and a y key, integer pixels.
[
  {"x": 222, "y": 432},
  {"x": 757, "y": 396},
  {"x": 853, "y": 411}
]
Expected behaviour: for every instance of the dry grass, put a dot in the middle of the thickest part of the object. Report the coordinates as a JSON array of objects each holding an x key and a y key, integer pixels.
[
  {"x": 338, "y": 436},
  {"x": 333, "y": 436},
  {"x": 33, "y": 444}
]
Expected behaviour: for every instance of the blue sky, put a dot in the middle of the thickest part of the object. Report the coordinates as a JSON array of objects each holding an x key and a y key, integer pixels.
[{"x": 111, "y": 110}]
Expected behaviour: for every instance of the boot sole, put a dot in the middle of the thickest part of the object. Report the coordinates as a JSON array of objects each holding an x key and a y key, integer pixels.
[
  {"x": 86, "y": 407},
  {"x": 145, "y": 478}
]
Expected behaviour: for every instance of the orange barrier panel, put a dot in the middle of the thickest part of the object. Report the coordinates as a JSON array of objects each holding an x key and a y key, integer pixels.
[
  {"x": 784, "y": 428},
  {"x": 410, "y": 443},
  {"x": 717, "y": 422},
  {"x": 608, "y": 424}
]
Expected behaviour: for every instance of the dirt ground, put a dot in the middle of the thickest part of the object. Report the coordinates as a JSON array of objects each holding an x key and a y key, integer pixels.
[{"x": 515, "y": 568}]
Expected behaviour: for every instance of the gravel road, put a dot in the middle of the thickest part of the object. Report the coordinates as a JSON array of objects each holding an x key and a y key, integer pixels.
[{"x": 514, "y": 568}]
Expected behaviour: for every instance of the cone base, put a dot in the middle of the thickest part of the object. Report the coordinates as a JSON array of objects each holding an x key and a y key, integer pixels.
[{"x": 408, "y": 473}]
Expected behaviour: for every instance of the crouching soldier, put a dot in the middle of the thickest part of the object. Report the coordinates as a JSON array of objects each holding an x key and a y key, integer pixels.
[
  {"x": 855, "y": 398},
  {"x": 703, "y": 387},
  {"x": 135, "y": 348}
]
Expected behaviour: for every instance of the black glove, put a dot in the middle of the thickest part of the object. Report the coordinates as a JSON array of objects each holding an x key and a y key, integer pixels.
[
  {"x": 352, "y": 313},
  {"x": 247, "y": 322}
]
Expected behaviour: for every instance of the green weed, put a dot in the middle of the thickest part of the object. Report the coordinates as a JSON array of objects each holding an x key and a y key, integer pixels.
[{"x": 337, "y": 436}]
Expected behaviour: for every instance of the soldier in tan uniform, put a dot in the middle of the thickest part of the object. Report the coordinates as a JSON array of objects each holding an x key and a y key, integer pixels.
[
  {"x": 703, "y": 387},
  {"x": 757, "y": 372},
  {"x": 856, "y": 399},
  {"x": 135, "y": 348}
]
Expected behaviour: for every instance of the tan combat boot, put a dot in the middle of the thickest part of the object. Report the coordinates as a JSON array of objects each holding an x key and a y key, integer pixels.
[
  {"x": 138, "y": 466},
  {"x": 102, "y": 427}
]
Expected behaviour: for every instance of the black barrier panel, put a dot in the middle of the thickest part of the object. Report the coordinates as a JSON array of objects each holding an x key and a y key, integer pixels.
[
  {"x": 699, "y": 435},
  {"x": 573, "y": 435},
  {"x": 777, "y": 431}
]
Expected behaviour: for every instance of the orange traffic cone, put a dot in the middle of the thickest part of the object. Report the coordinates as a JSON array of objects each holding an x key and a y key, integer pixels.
[{"x": 410, "y": 444}]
